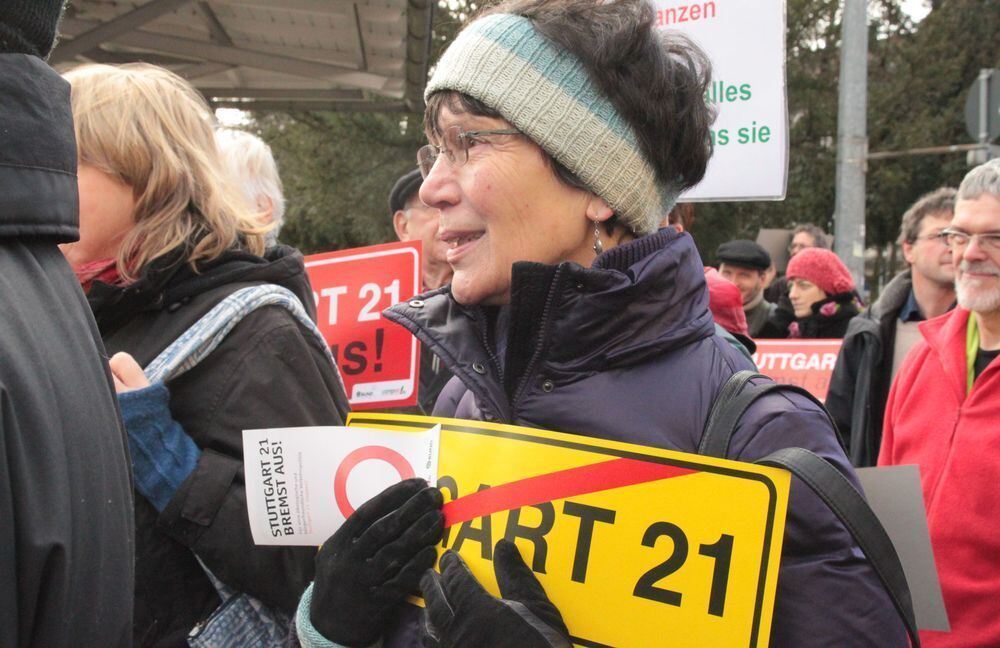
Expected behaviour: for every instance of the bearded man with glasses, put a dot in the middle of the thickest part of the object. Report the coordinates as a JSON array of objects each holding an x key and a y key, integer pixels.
[
  {"x": 944, "y": 414},
  {"x": 878, "y": 339}
]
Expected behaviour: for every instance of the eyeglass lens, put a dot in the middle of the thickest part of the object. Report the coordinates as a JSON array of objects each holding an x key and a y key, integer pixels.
[
  {"x": 453, "y": 145},
  {"x": 425, "y": 159},
  {"x": 987, "y": 241}
]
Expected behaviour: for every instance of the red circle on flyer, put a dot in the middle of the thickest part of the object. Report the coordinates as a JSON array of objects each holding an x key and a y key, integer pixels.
[{"x": 381, "y": 453}]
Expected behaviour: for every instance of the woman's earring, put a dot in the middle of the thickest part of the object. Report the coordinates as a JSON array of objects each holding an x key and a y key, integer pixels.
[{"x": 598, "y": 243}]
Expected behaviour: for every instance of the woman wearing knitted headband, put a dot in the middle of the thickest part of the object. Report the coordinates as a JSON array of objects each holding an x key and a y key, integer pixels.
[
  {"x": 822, "y": 292},
  {"x": 560, "y": 134}
]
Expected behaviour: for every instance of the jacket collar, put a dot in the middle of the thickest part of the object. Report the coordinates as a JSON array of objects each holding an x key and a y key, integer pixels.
[
  {"x": 38, "y": 190},
  {"x": 635, "y": 301},
  {"x": 755, "y": 302},
  {"x": 945, "y": 335},
  {"x": 893, "y": 296},
  {"x": 170, "y": 279}
]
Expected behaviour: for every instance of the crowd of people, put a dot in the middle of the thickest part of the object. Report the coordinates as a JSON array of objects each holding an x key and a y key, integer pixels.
[
  {"x": 557, "y": 295},
  {"x": 814, "y": 298}
]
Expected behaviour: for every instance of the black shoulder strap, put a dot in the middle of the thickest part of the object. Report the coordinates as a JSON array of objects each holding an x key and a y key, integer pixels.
[
  {"x": 725, "y": 415},
  {"x": 736, "y": 396},
  {"x": 852, "y": 509},
  {"x": 822, "y": 477}
]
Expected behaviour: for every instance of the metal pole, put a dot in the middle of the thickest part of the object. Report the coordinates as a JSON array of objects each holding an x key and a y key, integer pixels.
[
  {"x": 984, "y": 105},
  {"x": 852, "y": 141}
]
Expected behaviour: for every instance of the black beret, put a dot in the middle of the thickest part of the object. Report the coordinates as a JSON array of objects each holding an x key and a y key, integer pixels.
[
  {"x": 29, "y": 26},
  {"x": 743, "y": 253},
  {"x": 405, "y": 187}
]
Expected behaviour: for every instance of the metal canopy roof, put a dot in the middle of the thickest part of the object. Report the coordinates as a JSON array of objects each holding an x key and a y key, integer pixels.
[{"x": 343, "y": 55}]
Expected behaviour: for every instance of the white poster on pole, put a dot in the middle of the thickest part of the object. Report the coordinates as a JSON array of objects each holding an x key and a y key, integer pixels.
[
  {"x": 303, "y": 483},
  {"x": 746, "y": 43}
]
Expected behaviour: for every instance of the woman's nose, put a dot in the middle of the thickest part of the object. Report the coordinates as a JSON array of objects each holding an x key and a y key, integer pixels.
[{"x": 439, "y": 188}]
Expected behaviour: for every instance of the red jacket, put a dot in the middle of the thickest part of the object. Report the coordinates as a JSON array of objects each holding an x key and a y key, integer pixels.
[{"x": 955, "y": 438}]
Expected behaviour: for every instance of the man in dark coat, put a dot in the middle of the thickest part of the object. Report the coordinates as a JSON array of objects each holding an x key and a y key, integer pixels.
[
  {"x": 66, "y": 549},
  {"x": 744, "y": 263},
  {"x": 877, "y": 340}
]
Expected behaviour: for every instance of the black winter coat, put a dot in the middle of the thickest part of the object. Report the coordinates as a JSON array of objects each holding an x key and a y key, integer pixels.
[
  {"x": 783, "y": 315},
  {"x": 626, "y": 350},
  {"x": 66, "y": 545},
  {"x": 268, "y": 372},
  {"x": 861, "y": 379}
]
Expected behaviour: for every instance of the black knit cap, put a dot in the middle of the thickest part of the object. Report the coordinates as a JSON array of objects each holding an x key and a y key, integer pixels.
[
  {"x": 743, "y": 253},
  {"x": 29, "y": 26},
  {"x": 405, "y": 187}
]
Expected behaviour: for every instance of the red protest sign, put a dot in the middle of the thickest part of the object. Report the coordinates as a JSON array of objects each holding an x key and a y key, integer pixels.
[
  {"x": 379, "y": 361},
  {"x": 806, "y": 363}
]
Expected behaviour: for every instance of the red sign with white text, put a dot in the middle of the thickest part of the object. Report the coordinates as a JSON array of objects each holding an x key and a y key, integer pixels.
[
  {"x": 379, "y": 361},
  {"x": 806, "y": 363}
]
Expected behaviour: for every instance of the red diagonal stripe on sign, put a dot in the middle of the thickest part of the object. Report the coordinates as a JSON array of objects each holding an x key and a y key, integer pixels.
[{"x": 558, "y": 485}]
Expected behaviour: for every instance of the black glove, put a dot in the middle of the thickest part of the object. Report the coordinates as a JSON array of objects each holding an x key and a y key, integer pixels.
[
  {"x": 366, "y": 569},
  {"x": 29, "y": 26},
  {"x": 461, "y": 613}
]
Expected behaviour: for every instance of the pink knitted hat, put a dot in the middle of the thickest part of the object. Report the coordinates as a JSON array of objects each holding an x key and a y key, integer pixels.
[{"x": 822, "y": 268}]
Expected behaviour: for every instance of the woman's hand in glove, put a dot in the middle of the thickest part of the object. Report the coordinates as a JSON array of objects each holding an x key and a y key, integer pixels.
[
  {"x": 366, "y": 569},
  {"x": 461, "y": 613}
]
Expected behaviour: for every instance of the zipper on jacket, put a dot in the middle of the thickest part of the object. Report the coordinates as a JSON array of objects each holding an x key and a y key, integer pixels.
[
  {"x": 542, "y": 334},
  {"x": 484, "y": 338},
  {"x": 496, "y": 416},
  {"x": 943, "y": 476}
]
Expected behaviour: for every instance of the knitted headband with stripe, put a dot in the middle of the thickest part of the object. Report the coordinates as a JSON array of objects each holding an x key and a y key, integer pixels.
[{"x": 546, "y": 93}]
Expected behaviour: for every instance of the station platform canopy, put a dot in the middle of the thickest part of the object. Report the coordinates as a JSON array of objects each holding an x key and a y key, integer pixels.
[{"x": 288, "y": 55}]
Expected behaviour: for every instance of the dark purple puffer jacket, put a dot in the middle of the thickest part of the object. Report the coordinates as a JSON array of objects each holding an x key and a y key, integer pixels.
[{"x": 626, "y": 350}]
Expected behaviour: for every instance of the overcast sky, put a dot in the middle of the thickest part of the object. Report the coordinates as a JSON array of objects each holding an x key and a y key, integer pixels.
[{"x": 916, "y": 8}]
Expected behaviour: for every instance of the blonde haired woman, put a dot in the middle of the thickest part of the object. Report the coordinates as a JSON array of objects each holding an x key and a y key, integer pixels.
[{"x": 164, "y": 237}]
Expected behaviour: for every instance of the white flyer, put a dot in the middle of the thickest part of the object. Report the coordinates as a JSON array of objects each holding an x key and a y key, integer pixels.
[
  {"x": 303, "y": 483},
  {"x": 746, "y": 44}
]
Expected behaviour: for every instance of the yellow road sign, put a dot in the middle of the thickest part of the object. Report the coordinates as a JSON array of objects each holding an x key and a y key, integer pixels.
[{"x": 636, "y": 546}]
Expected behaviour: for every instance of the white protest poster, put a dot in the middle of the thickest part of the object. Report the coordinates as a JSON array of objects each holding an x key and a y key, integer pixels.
[
  {"x": 746, "y": 43},
  {"x": 303, "y": 483}
]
